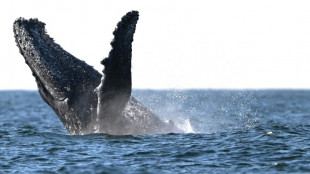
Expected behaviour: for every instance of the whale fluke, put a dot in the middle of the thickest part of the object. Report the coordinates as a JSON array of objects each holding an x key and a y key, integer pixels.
[{"x": 85, "y": 100}]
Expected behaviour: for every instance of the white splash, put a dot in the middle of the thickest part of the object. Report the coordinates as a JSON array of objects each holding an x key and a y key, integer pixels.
[
  {"x": 187, "y": 127},
  {"x": 184, "y": 125}
]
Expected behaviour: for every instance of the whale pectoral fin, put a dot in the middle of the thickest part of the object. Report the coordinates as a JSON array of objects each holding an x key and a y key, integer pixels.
[
  {"x": 56, "y": 71},
  {"x": 115, "y": 88},
  {"x": 65, "y": 83}
]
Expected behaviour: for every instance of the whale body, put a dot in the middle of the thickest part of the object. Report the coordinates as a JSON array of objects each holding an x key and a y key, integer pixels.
[{"x": 85, "y": 100}]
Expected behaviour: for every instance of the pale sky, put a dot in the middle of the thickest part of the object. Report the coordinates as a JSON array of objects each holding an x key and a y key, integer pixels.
[{"x": 177, "y": 44}]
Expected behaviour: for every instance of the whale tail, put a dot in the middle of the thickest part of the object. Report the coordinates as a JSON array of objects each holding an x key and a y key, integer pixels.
[{"x": 72, "y": 87}]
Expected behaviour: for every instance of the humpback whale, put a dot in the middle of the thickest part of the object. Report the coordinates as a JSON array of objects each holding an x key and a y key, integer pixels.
[{"x": 85, "y": 100}]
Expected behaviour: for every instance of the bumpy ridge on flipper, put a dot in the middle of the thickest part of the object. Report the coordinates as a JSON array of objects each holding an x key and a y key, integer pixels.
[
  {"x": 117, "y": 67},
  {"x": 115, "y": 88},
  {"x": 47, "y": 59}
]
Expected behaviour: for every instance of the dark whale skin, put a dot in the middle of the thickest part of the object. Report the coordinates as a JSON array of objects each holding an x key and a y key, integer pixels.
[{"x": 85, "y": 100}]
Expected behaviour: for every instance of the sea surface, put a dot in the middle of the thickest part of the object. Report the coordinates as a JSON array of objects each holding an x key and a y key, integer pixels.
[{"x": 226, "y": 131}]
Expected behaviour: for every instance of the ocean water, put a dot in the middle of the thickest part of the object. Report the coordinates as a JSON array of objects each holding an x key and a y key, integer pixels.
[{"x": 227, "y": 131}]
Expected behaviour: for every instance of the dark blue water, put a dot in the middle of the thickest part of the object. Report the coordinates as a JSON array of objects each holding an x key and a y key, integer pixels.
[{"x": 227, "y": 132}]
